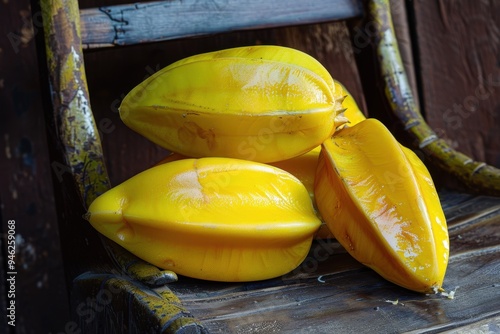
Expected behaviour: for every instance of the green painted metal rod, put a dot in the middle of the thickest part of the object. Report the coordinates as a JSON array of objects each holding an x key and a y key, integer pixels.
[{"x": 477, "y": 176}]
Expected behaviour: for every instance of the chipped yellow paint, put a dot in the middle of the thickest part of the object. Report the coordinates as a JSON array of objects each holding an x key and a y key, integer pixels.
[
  {"x": 162, "y": 304},
  {"x": 160, "y": 309},
  {"x": 138, "y": 269}
]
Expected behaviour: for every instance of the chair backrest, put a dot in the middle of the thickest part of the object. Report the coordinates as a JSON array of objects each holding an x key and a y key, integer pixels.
[
  {"x": 68, "y": 30},
  {"x": 78, "y": 159}
]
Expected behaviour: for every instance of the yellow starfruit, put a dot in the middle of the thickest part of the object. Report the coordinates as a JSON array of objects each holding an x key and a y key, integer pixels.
[
  {"x": 218, "y": 219},
  {"x": 260, "y": 103},
  {"x": 380, "y": 203},
  {"x": 302, "y": 167}
]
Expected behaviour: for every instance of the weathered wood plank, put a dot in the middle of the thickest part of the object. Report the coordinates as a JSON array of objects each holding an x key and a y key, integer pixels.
[
  {"x": 332, "y": 293},
  {"x": 356, "y": 301},
  {"x": 164, "y": 20}
]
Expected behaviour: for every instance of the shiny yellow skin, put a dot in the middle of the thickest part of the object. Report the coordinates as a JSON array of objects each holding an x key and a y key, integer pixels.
[
  {"x": 260, "y": 103},
  {"x": 302, "y": 167},
  {"x": 380, "y": 203},
  {"x": 218, "y": 219}
]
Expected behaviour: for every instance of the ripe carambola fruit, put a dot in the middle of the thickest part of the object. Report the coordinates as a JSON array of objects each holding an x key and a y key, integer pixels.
[
  {"x": 380, "y": 203},
  {"x": 302, "y": 167},
  {"x": 260, "y": 103},
  {"x": 217, "y": 219}
]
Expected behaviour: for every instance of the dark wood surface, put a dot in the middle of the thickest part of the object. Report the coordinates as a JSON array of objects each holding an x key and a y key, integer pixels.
[{"x": 332, "y": 293}]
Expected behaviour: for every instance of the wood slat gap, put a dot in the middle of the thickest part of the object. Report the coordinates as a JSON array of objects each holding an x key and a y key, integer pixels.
[
  {"x": 237, "y": 294},
  {"x": 473, "y": 218},
  {"x": 459, "y": 256}
]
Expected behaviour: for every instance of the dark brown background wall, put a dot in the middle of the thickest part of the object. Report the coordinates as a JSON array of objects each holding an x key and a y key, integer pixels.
[
  {"x": 456, "y": 57},
  {"x": 459, "y": 57}
]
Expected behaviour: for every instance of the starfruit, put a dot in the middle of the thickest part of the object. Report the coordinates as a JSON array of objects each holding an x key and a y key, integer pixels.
[
  {"x": 260, "y": 103},
  {"x": 380, "y": 203},
  {"x": 218, "y": 219},
  {"x": 302, "y": 167}
]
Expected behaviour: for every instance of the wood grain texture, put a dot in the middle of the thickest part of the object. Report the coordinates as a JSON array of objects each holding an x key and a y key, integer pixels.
[
  {"x": 163, "y": 20},
  {"x": 332, "y": 293},
  {"x": 458, "y": 50}
]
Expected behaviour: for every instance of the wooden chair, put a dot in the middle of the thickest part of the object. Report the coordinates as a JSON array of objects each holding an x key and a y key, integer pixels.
[{"x": 113, "y": 291}]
